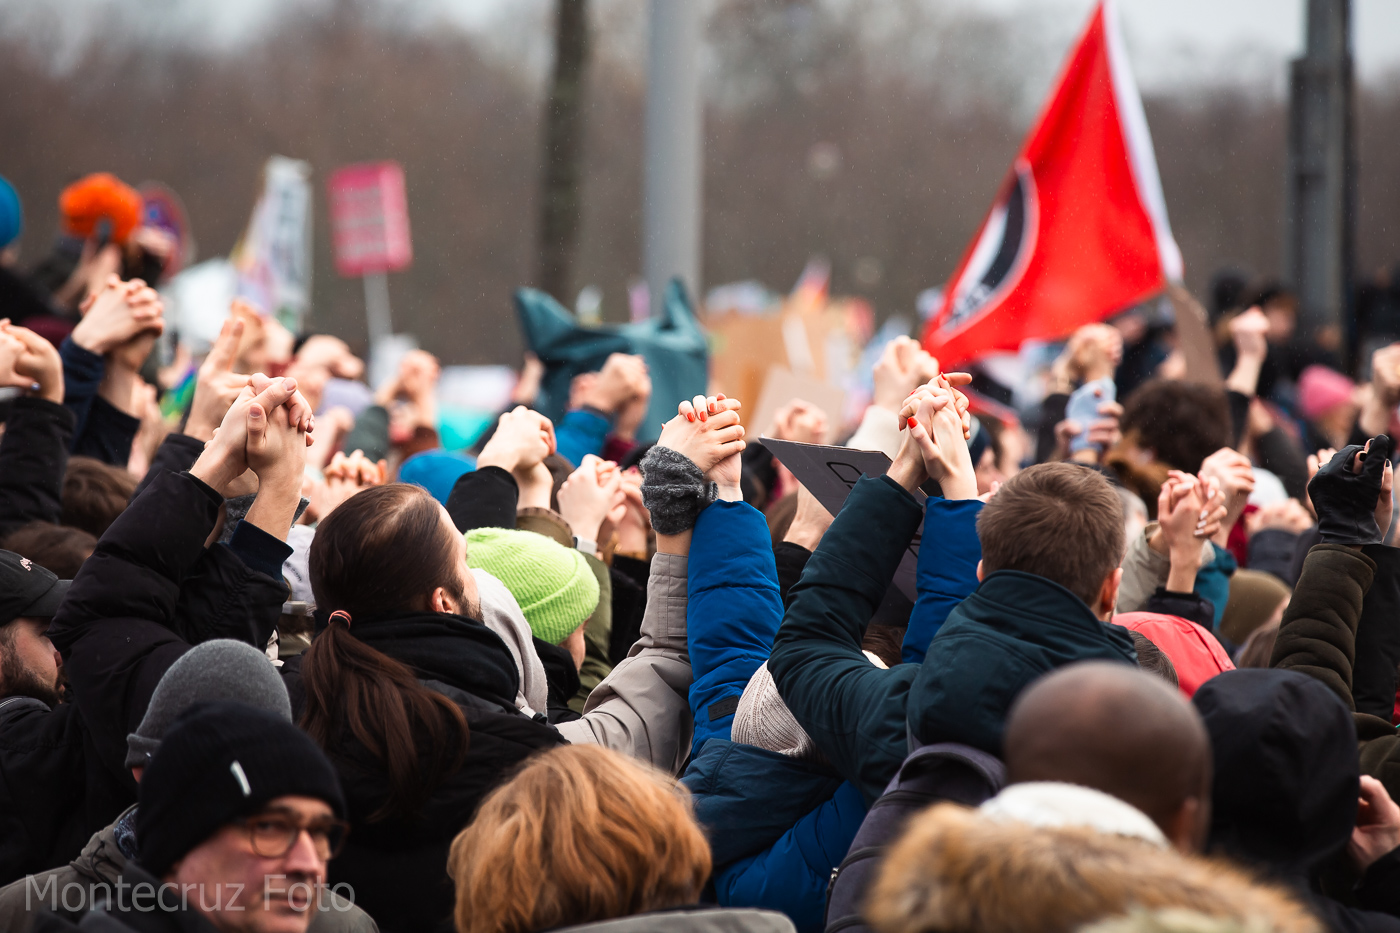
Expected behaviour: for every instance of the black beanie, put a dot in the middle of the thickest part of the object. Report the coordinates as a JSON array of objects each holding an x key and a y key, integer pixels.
[{"x": 218, "y": 762}]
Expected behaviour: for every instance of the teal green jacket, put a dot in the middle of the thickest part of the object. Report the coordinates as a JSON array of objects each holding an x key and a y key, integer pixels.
[
  {"x": 853, "y": 710},
  {"x": 1011, "y": 630}
]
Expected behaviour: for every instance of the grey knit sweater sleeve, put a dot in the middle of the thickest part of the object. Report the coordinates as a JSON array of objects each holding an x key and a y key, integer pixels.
[{"x": 673, "y": 490}]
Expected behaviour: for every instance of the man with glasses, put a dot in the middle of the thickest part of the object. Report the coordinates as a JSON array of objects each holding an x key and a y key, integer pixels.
[{"x": 239, "y": 814}]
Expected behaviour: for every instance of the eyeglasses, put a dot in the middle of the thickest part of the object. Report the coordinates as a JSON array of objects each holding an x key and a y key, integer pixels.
[{"x": 274, "y": 834}]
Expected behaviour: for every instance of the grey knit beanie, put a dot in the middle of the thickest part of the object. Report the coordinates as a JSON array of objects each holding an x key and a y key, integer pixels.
[
  {"x": 674, "y": 490},
  {"x": 219, "y": 669},
  {"x": 763, "y": 720}
]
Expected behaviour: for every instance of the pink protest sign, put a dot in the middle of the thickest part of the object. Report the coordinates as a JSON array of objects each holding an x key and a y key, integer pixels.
[{"x": 369, "y": 219}]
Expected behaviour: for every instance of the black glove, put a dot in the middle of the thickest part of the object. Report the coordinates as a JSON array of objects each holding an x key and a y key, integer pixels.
[{"x": 1346, "y": 501}]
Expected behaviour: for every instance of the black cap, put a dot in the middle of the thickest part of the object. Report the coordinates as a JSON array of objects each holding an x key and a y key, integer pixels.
[
  {"x": 26, "y": 589},
  {"x": 218, "y": 762}
]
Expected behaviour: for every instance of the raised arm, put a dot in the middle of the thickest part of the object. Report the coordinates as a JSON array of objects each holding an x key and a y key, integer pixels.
[
  {"x": 598, "y": 399},
  {"x": 1162, "y": 562},
  {"x": 216, "y": 389},
  {"x": 643, "y": 707},
  {"x": 100, "y": 367},
  {"x": 854, "y": 711},
  {"x": 735, "y": 606},
  {"x": 903, "y": 367},
  {"x": 1318, "y": 635},
  {"x": 117, "y": 628},
  {"x": 949, "y": 549},
  {"x": 487, "y": 497},
  {"x": 34, "y": 450}
]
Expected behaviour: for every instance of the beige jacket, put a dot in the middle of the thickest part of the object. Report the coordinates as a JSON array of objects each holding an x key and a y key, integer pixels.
[
  {"x": 642, "y": 708},
  {"x": 1144, "y": 570}
]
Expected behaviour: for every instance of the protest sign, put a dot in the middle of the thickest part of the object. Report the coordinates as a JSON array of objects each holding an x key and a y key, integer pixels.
[
  {"x": 369, "y": 219},
  {"x": 782, "y": 386},
  {"x": 162, "y": 208},
  {"x": 369, "y": 229},
  {"x": 1195, "y": 339},
  {"x": 273, "y": 258},
  {"x": 830, "y": 472}
]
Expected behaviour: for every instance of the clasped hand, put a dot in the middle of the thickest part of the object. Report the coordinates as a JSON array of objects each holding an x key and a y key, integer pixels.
[
  {"x": 266, "y": 430},
  {"x": 708, "y": 432},
  {"x": 935, "y": 445}
]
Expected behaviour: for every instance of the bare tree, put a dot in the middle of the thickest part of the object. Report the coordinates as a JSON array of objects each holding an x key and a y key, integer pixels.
[
  {"x": 881, "y": 152},
  {"x": 560, "y": 199}
]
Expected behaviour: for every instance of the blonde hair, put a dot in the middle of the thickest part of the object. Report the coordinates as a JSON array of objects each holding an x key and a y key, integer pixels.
[{"x": 580, "y": 834}]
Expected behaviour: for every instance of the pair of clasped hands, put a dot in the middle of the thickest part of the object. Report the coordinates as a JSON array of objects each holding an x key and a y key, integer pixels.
[
  {"x": 934, "y": 418},
  {"x": 936, "y": 429},
  {"x": 265, "y": 430}
]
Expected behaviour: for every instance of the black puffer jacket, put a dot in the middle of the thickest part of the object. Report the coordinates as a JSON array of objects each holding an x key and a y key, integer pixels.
[
  {"x": 62, "y": 771},
  {"x": 33, "y": 459},
  {"x": 1286, "y": 782},
  {"x": 398, "y": 866}
]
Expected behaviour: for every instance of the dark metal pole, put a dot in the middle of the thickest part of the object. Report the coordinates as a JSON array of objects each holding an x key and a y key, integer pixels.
[
  {"x": 563, "y": 149},
  {"x": 671, "y": 201},
  {"x": 1320, "y": 209}
]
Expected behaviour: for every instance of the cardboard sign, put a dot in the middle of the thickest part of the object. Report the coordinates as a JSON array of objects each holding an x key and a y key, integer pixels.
[
  {"x": 369, "y": 219},
  {"x": 1194, "y": 337},
  {"x": 830, "y": 472},
  {"x": 273, "y": 258},
  {"x": 782, "y": 386}
]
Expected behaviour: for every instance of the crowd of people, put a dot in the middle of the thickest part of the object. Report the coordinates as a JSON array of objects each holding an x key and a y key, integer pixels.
[{"x": 272, "y": 659}]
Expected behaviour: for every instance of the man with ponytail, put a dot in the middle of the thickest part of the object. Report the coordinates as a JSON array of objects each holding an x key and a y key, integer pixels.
[{"x": 413, "y": 698}]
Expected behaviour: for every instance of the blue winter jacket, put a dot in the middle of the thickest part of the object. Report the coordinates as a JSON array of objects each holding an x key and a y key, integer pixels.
[
  {"x": 949, "y": 552},
  {"x": 777, "y": 826},
  {"x": 581, "y": 432},
  {"x": 733, "y": 589}
]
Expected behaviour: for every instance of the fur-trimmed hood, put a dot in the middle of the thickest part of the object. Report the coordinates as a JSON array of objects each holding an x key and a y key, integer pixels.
[{"x": 958, "y": 871}]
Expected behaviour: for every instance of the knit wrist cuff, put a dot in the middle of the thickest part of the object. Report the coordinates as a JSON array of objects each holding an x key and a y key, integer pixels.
[{"x": 674, "y": 490}]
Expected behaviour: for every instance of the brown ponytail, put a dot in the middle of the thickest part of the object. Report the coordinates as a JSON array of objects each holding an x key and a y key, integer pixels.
[{"x": 418, "y": 735}]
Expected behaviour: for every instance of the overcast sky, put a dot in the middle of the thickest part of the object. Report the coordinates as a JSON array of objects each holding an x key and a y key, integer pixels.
[
  {"x": 1169, "y": 39},
  {"x": 1172, "y": 42}
]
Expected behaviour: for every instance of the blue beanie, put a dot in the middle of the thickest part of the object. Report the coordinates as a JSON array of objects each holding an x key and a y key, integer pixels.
[
  {"x": 11, "y": 215},
  {"x": 436, "y": 471}
]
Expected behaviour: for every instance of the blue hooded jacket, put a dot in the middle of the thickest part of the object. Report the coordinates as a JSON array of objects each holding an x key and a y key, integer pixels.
[{"x": 777, "y": 825}]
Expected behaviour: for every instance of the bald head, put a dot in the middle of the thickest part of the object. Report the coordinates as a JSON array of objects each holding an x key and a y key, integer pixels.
[{"x": 1118, "y": 730}]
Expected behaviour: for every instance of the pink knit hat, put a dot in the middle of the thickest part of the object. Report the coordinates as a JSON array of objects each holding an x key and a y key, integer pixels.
[{"x": 1321, "y": 389}]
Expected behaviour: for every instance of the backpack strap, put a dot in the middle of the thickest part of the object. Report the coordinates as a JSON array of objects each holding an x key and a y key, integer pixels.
[{"x": 988, "y": 766}]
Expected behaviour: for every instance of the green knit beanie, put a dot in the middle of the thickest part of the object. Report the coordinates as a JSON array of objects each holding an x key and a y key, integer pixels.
[{"x": 553, "y": 584}]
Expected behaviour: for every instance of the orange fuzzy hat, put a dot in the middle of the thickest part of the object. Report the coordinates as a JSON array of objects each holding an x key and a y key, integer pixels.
[{"x": 89, "y": 200}]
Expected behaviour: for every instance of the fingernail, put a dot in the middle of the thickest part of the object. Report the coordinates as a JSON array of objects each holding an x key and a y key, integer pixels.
[{"x": 689, "y": 417}]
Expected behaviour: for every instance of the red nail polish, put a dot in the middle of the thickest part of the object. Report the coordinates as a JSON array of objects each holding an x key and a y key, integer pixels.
[{"x": 689, "y": 417}]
